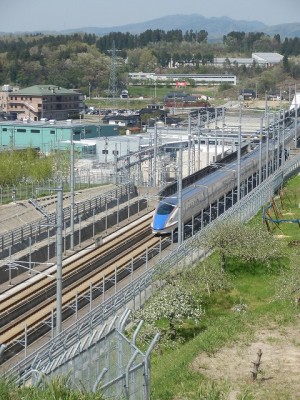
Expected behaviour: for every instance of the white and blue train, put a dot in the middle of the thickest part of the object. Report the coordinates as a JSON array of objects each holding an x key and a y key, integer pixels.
[
  {"x": 213, "y": 187},
  {"x": 197, "y": 197}
]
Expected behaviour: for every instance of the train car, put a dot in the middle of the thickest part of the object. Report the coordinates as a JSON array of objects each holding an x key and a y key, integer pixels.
[
  {"x": 195, "y": 198},
  {"x": 215, "y": 185},
  {"x": 208, "y": 190}
]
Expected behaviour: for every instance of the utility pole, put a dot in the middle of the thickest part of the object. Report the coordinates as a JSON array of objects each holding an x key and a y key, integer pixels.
[
  {"x": 189, "y": 145},
  {"x": 260, "y": 151},
  {"x": 90, "y": 90},
  {"x": 239, "y": 164},
  {"x": 267, "y": 147},
  {"x": 155, "y": 157},
  {"x": 72, "y": 191},
  {"x": 113, "y": 75},
  {"x": 179, "y": 185},
  {"x": 296, "y": 115},
  {"x": 59, "y": 250}
]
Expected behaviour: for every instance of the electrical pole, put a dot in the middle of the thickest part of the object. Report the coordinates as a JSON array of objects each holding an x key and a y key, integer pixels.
[
  {"x": 260, "y": 152},
  {"x": 59, "y": 250},
  {"x": 296, "y": 114},
  {"x": 189, "y": 145},
  {"x": 155, "y": 157},
  {"x": 72, "y": 192},
  {"x": 180, "y": 197},
  {"x": 239, "y": 164},
  {"x": 113, "y": 75}
]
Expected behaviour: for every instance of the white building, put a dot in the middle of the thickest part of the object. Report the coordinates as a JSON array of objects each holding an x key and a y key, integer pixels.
[
  {"x": 295, "y": 102},
  {"x": 262, "y": 59},
  {"x": 267, "y": 59},
  {"x": 199, "y": 79}
]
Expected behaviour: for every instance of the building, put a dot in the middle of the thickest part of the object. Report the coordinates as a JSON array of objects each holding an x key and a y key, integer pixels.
[
  {"x": 267, "y": 59},
  {"x": 47, "y": 136},
  {"x": 262, "y": 59},
  {"x": 295, "y": 102},
  {"x": 248, "y": 94},
  {"x": 181, "y": 99},
  {"x": 42, "y": 101},
  {"x": 173, "y": 79}
]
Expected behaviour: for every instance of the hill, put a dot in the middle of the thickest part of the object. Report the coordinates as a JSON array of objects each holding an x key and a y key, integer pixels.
[{"x": 216, "y": 26}]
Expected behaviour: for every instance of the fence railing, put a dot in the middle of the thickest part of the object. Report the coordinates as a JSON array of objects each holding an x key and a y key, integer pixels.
[
  {"x": 38, "y": 228},
  {"x": 26, "y": 189},
  {"x": 105, "y": 360},
  {"x": 139, "y": 289}
]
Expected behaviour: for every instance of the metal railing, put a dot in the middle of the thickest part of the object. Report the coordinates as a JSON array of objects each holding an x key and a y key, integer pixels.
[
  {"x": 38, "y": 228},
  {"x": 104, "y": 360},
  {"x": 139, "y": 289}
]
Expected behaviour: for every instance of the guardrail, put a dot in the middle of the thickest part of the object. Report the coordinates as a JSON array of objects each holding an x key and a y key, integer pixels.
[
  {"x": 36, "y": 230},
  {"x": 139, "y": 289}
]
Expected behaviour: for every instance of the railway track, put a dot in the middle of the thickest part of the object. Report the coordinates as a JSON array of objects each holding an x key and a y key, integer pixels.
[
  {"x": 32, "y": 303},
  {"x": 82, "y": 208}
]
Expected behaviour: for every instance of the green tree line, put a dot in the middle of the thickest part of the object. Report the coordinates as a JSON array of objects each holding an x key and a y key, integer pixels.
[
  {"x": 83, "y": 60},
  {"x": 17, "y": 166}
]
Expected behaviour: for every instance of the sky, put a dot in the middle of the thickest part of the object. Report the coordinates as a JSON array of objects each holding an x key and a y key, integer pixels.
[{"x": 56, "y": 15}]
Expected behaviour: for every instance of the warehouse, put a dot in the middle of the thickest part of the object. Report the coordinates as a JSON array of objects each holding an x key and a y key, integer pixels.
[{"x": 50, "y": 135}]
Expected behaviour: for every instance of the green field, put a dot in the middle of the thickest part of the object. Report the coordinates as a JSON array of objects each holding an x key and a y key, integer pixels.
[
  {"x": 217, "y": 361},
  {"x": 141, "y": 96},
  {"x": 255, "y": 310}
]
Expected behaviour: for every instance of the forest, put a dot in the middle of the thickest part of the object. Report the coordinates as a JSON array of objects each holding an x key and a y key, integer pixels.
[{"x": 83, "y": 61}]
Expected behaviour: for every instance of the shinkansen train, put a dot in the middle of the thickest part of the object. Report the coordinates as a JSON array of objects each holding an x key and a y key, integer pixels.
[{"x": 214, "y": 186}]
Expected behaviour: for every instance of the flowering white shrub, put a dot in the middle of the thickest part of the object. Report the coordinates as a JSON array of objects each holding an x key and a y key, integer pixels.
[
  {"x": 240, "y": 308},
  {"x": 173, "y": 303},
  {"x": 288, "y": 284},
  {"x": 250, "y": 243}
]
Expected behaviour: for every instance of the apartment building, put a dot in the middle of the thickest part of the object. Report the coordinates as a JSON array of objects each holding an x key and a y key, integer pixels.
[{"x": 42, "y": 101}]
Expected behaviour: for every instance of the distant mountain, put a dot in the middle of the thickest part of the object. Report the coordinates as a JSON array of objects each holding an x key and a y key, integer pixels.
[
  {"x": 216, "y": 26},
  {"x": 285, "y": 30}
]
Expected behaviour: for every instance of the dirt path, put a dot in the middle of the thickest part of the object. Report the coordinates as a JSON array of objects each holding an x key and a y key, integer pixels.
[{"x": 279, "y": 376}]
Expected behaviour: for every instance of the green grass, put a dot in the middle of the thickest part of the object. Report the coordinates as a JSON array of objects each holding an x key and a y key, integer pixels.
[
  {"x": 172, "y": 375},
  {"x": 149, "y": 95},
  {"x": 57, "y": 389}
]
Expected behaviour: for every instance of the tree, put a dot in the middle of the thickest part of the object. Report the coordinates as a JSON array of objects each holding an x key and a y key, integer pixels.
[
  {"x": 141, "y": 60},
  {"x": 18, "y": 166},
  {"x": 205, "y": 278},
  {"x": 249, "y": 243},
  {"x": 285, "y": 63},
  {"x": 174, "y": 303},
  {"x": 266, "y": 81},
  {"x": 288, "y": 284}
]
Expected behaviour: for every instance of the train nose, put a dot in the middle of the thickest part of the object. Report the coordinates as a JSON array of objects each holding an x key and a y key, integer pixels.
[{"x": 159, "y": 222}]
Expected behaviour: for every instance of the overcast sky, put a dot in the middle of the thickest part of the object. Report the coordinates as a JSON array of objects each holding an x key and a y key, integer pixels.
[{"x": 35, "y": 15}]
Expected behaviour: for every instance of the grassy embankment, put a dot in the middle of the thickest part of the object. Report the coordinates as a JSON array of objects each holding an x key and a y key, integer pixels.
[
  {"x": 211, "y": 362},
  {"x": 209, "y": 366}
]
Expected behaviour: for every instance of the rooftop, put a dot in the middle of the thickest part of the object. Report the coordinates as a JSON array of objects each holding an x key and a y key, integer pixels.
[
  {"x": 44, "y": 90},
  {"x": 271, "y": 58},
  {"x": 43, "y": 124}
]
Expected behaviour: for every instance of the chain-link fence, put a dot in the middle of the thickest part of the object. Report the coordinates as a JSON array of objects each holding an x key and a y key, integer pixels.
[
  {"x": 25, "y": 190},
  {"x": 104, "y": 360},
  {"x": 140, "y": 288}
]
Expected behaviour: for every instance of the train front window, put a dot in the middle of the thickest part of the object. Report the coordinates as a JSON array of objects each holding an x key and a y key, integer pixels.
[{"x": 165, "y": 209}]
